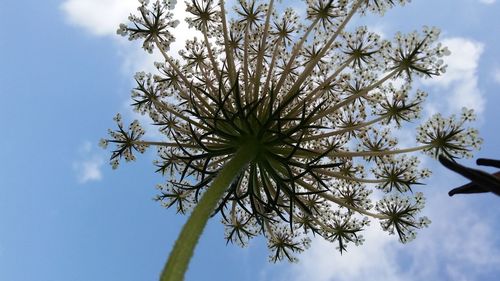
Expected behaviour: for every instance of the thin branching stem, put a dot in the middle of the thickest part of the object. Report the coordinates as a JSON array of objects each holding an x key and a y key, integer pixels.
[
  {"x": 313, "y": 63},
  {"x": 350, "y": 99},
  {"x": 348, "y": 178},
  {"x": 229, "y": 53},
  {"x": 378, "y": 153},
  {"x": 261, "y": 52},
  {"x": 314, "y": 94},
  {"x": 339, "y": 201},
  {"x": 347, "y": 129},
  {"x": 245, "y": 63},
  {"x": 295, "y": 52},
  {"x": 215, "y": 66}
]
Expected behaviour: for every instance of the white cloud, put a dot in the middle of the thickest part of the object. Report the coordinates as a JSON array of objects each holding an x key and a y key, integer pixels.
[
  {"x": 380, "y": 29},
  {"x": 487, "y": 1},
  {"x": 323, "y": 262},
  {"x": 102, "y": 18},
  {"x": 496, "y": 75},
  {"x": 89, "y": 167},
  {"x": 460, "y": 244},
  {"x": 99, "y": 17},
  {"x": 461, "y": 240},
  {"x": 135, "y": 59},
  {"x": 461, "y": 78},
  {"x": 89, "y": 170}
]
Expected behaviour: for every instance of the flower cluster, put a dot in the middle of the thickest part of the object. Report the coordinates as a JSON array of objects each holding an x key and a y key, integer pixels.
[
  {"x": 415, "y": 54},
  {"x": 381, "y": 6},
  {"x": 400, "y": 215},
  {"x": 311, "y": 101},
  {"x": 127, "y": 141},
  {"x": 448, "y": 136},
  {"x": 398, "y": 173},
  {"x": 152, "y": 25}
]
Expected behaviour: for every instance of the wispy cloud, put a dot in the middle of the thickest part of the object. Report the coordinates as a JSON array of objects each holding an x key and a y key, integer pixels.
[
  {"x": 496, "y": 75},
  {"x": 88, "y": 167},
  {"x": 487, "y": 1},
  {"x": 323, "y": 262},
  {"x": 461, "y": 77},
  {"x": 98, "y": 17},
  {"x": 459, "y": 245},
  {"x": 102, "y": 18}
]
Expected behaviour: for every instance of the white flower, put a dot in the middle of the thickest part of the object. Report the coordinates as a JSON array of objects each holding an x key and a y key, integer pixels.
[{"x": 313, "y": 103}]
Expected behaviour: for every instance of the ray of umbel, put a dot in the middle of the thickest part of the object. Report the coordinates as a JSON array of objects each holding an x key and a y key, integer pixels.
[{"x": 283, "y": 125}]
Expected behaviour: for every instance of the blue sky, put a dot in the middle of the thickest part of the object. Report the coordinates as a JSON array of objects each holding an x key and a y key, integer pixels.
[{"x": 65, "y": 215}]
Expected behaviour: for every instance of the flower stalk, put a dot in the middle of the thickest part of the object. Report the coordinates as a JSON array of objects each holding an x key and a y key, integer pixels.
[{"x": 183, "y": 249}]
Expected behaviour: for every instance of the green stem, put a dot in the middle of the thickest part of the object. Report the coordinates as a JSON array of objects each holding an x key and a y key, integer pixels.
[{"x": 188, "y": 238}]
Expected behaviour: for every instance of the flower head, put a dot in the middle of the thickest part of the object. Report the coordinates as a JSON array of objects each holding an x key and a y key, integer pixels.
[
  {"x": 312, "y": 103},
  {"x": 152, "y": 25},
  {"x": 448, "y": 136}
]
